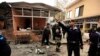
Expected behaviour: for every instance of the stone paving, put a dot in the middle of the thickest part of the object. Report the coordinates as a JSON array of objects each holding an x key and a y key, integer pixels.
[{"x": 30, "y": 50}]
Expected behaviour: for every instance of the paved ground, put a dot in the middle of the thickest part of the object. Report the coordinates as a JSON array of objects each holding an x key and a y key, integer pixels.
[{"x": 30, "y": 49}]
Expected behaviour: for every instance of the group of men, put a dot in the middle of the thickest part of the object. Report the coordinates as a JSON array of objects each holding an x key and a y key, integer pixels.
[
  {"x": 74, "y": 38},
  {"x": 56, "y": 33}
]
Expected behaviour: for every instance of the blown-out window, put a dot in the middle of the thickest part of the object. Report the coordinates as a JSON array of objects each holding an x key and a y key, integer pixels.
[
  {"x": 69, "y": 14},
  {"x": 44, "y": 13},
  {"x": 27, "y": 12},
  {"x": 36, "y": 12},
  {"x": 18, "y": 11},
  {"x": 79, "y": 11}
]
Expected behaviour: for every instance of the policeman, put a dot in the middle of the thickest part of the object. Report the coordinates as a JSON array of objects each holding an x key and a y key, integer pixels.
[
  {"x": 53, "y": 31},
  {"x": 57, "y": 36},
  {"x": 93, "y": 42},
  {"x": 5, "y": 49},
  {"x": 98, "y": 41},
  {"x": 74, "y": 38}
]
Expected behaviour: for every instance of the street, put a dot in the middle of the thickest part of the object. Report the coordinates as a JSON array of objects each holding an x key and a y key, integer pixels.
[{"x": 30, "y": 50}]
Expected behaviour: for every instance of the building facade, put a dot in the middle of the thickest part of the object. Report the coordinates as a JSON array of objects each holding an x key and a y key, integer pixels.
[
  {"x": 86, "y": 13},
  {"x": 30, "y": 16},
  {"x": 27, "y": 18}
]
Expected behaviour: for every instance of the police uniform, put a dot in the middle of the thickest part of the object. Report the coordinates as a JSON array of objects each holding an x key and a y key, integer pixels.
[
  {"x": 5, "y": 49},
  {"x": 93, "y": 42},
  {"x": 98, "y": 41},
  {"x": 74, "y": 39},
  {"x": 94, "y": 49}
]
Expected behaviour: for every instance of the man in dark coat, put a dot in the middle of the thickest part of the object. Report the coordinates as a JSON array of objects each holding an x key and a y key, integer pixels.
[
  {"x": 46, "y": 34},
  {"x": 93, "y": 42},
  {"x": 53, "y": 31},
  {"x": 98, "y": 42},
  {"x": 5, "y": 49},
  {"x": 57, "y": 36},
  {"x": 74, "y": 38}
]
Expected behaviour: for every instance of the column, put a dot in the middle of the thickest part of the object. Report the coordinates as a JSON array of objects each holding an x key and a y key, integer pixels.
[
  {"x": 98, "y": 22},
  {"x": 22, "y": 12},
  {"x": 32, "y": 20},
  {"x": 84, "y": 23}
]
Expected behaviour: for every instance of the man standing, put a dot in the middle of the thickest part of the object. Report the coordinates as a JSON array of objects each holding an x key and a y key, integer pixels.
[
  {"x": 98, "y": 42},
  {"x": 93, "y": 37},
  {"x": 46, "y": 34},
  {"x": 57, "y": 36},
  {"x": 74, "y": 38}
]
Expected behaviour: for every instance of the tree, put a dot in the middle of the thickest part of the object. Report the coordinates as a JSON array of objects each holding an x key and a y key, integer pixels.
[{"x": 61, "y": 4}]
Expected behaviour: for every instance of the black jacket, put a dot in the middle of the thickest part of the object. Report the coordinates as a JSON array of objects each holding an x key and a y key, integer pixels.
[
  {"x": 5, "y": 49},
  {"x": 56, "y": 31},
  {"x": 46, "y": 32},
  {"x": 93, "y": 37},
  {"x": 73, "y": 34}
]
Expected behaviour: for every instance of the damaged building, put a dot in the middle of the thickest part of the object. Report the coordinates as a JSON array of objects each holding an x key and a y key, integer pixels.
[{"x": 30, "y": 17}]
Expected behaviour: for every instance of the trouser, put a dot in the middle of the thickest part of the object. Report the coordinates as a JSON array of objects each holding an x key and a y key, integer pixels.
[
  {"x": 73, "y": 48},
  {"x": 58, "y": 42},
  {"x": 45, "y": 41},
  {"x": 53, "y": 36},
  {"x": 64, "y": 34},
  {"x": 92, "y": 50},
  {"x": 98, "y": 52},
  {"x": 98, "y": 49}
]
